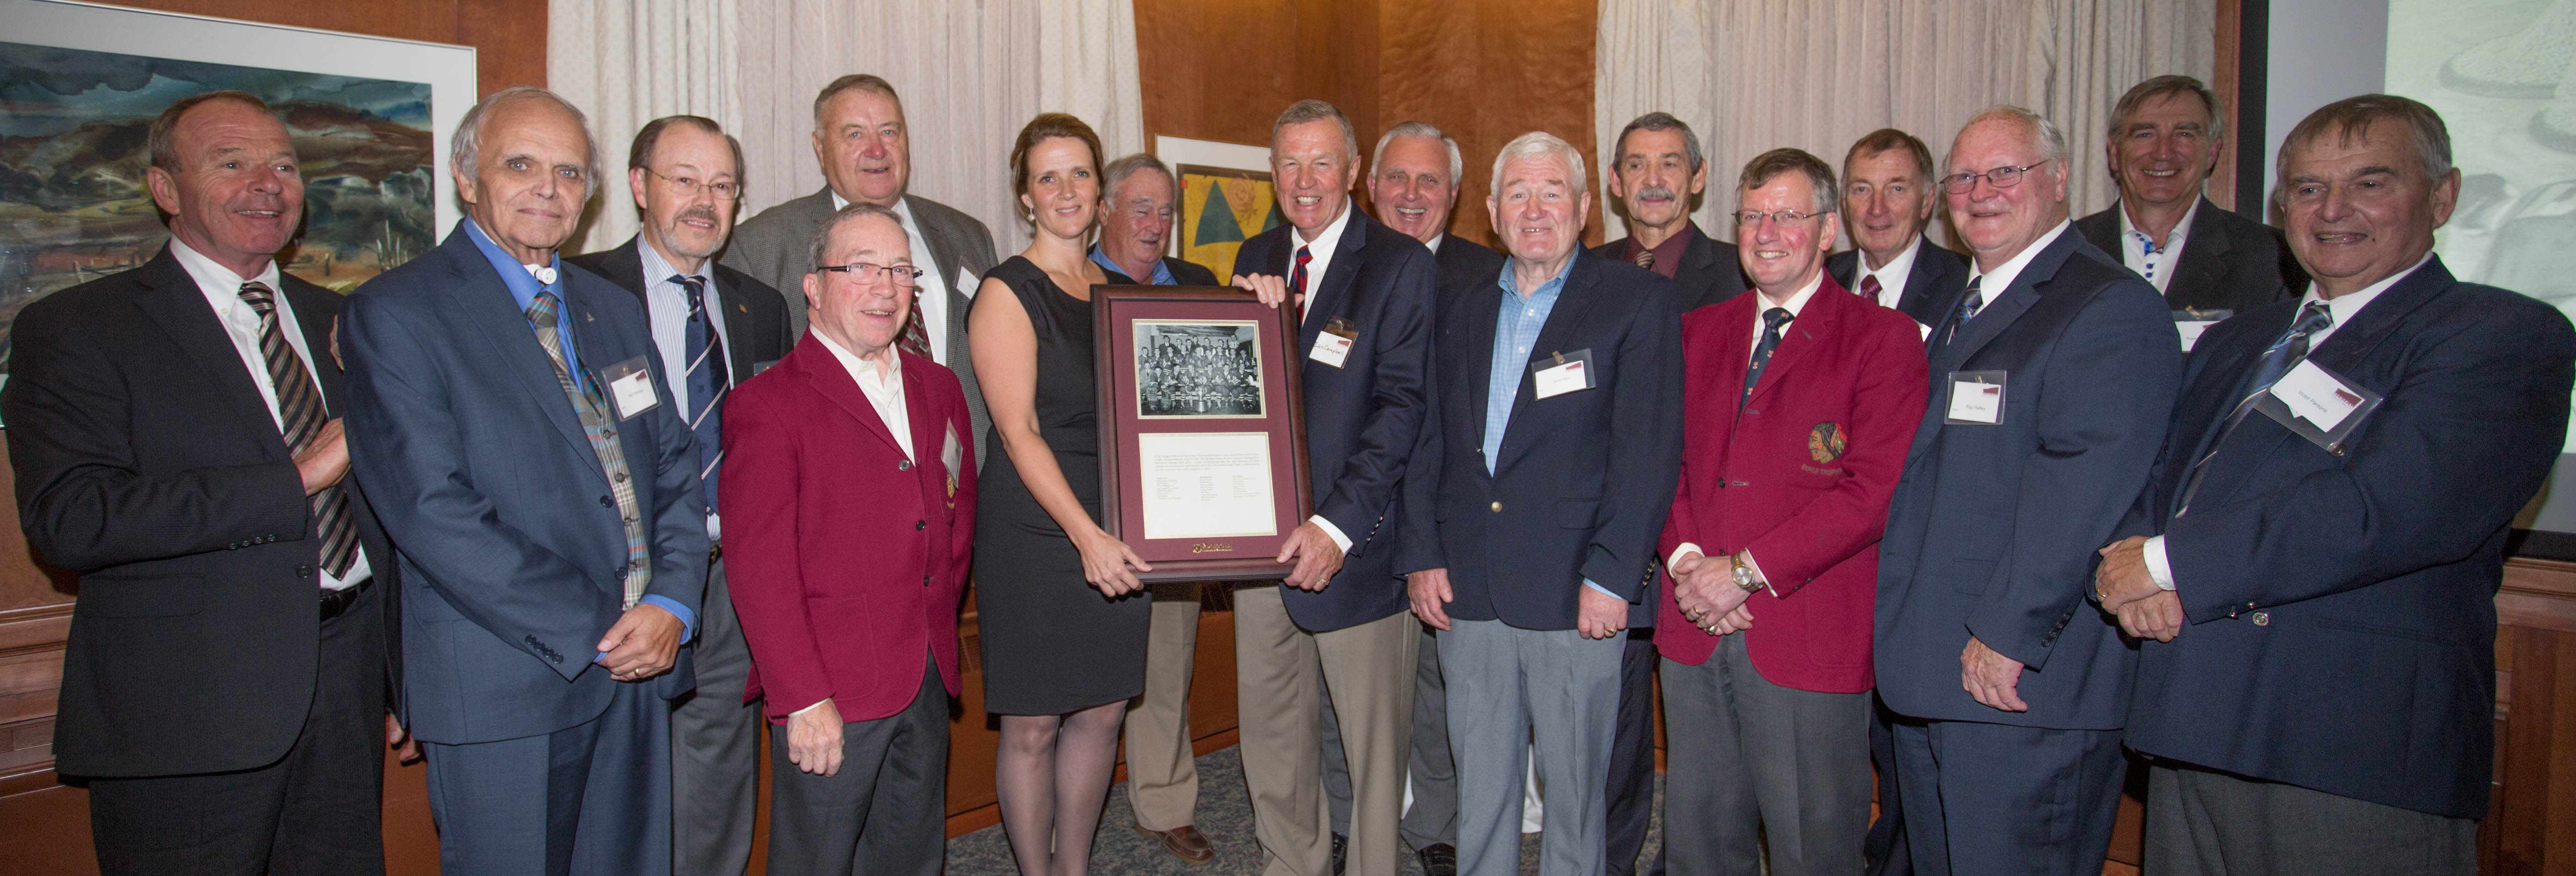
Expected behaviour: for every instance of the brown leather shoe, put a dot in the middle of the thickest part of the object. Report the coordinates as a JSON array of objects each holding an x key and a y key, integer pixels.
[{"x": 1184, "y": 842}]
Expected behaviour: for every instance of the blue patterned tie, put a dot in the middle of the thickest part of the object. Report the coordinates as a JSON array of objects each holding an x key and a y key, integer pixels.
[
  {"x": 707, "y": 384},
  {"x": 1772, "y": 320},
  {"x": 2277, "y": 360},
  {"x": 1968, "y": 306}
]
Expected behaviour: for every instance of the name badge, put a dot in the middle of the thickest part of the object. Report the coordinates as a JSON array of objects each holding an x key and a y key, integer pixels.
[
  {"x": 2319, "y": 405},
  {"x": 630, "y": 387},
  {"x": 1976, "y": 398},
  {"x": 967, "y": 284},
  {"x": 1561, "y": 373},
  {"x": 1333, "y": 345},
  {"x": 2192, "y": 322}
]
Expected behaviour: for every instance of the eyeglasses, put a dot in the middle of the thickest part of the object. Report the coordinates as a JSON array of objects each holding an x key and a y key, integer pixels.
[
  {"x": 2001, "y": 177},
  {"x": 901, "y": 275},
  {"x": 1749, "y": 218},
  {"x": 724, "y": 191}
]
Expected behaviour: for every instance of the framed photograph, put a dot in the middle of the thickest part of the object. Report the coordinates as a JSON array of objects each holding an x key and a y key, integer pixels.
[
  {"x": 1202, "y": 429},
  {"x": 1226, "y": 197},
  {"x": 370, "y": 119}
]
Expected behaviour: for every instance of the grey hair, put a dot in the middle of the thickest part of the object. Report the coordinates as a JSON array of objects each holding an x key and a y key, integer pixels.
[
  {"x": 2046, "y": 136},
  {"x": 2352, "y": 118},
  {"x": 2167, "y": 86},
  {"x": 467, "y": 145},
  {"x": 1427, "y": 131},
  {"x": 1658, "y": 121},
  {"x": 1770, "y": 165},
  {"x": 1312, "y": 110},
  {"x": 1537, "y": 143},
  {"x": 1118, "y": 171},
  {"x": 822, "y": 243}
]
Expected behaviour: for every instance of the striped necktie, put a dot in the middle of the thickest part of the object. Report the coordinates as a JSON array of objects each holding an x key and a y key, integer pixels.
[
  {"x": 708, "y": 381},
  {"x": 1974, "y": 301},
  {"x": 301, "y": 417},
  {"x": 599, "y": 426},
  {"x": 2277, "y": 360},
  {"x": 1772, "y": 320},
  {"x": 1297, "y": 281}
]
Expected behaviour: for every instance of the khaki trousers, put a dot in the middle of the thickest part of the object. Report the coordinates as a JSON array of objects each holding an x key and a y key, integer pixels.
[
  {"x": 1285, "y": 672},
  {"x": 1162, "y": 771}
]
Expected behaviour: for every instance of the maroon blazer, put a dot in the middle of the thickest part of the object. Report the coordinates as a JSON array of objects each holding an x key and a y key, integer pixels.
[
  {"x": 1802, "y": 475},
  {"x": 845, "y": 558}
]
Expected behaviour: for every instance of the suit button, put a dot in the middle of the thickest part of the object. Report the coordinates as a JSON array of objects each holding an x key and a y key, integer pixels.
[
  {"x": 925, "y": 580},
  {"x": 605, "y": 503},
  {"x": 1498, "y": 507},
  {"x": 919, "y": 525},
  {"x": 905, "y": 465},
  {"x": 302, "y": 571},
  {"x": 2261, "y": 618}
]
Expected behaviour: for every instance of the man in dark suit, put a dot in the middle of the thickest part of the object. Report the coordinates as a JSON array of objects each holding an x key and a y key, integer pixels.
[
  {"x": 1801, "y": 401},
  {"x": 853, "y": 503},
  {"x": 172, "y": 433},
  {"x": 1136, "y": 204},
  {"x": 2052, "y": 376},
  {"x": 2167, "y": 135},
  {"x": 865, "y": 147},
  {"x": 713, "y": 328},
  {"x": 1656, "y": 175},
  {"x": 510, "y": 414},
  {"x": 1336, "y": 626},
  {"x": 1532, "y": 507},
  {"x": 1889, "y": 195},
  {"x": 1413, "y": 181},
  {"x": 2318, "y": 689}
]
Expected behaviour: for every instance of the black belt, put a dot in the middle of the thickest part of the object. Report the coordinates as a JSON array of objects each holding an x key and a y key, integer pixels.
[{"x": 336, "y": 601}]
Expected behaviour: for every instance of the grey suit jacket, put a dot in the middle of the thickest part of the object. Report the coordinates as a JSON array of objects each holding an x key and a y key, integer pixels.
[{"x": 775, "y": 248}]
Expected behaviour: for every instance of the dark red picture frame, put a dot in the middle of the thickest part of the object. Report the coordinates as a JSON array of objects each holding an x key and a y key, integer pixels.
[{"x": 1115, "y": 312}]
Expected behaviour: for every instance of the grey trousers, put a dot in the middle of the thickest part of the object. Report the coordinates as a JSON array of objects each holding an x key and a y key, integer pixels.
[
  {"x": 1162, "y": 771},
  {"x": 2204, "y": 823},
  {"x": 883, "y": 813},
  {"x": 715, "y": 747},
  {"x": 1749, "y": 759},
  {"x": 1282, "y": 672},
  {"x": 1508, "y": 687},
  {"x": 1433, "y": 777}
]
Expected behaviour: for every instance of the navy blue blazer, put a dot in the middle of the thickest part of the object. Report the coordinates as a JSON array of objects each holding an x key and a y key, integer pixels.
[
  {"x": 1459, "y": 257},
  {"x": 2342, "y": 608},
  {"x": 1361, "y": 418},
  {"x": 1584, "y": 479},
  {"x": 1937, "y": 273},
  {"x": 511, "y": 549},
  {"x": 1993, "y": 528}
]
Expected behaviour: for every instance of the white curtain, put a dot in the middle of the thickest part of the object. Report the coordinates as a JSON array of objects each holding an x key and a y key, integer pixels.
[
  {"x": 1753, "y": 75},
  {"x": 970, "y": 73}
]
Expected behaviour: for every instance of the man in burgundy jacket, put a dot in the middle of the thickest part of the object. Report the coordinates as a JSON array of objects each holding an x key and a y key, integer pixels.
[
  {"x": 1799, "y": 402},
  {"x": 849, "y": 495}
]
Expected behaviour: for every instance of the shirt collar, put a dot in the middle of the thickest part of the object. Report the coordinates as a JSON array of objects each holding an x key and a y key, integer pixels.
[
  {"x": 1898, "y": 268},
  {"x": 221, "y": 286},
  {"x": 1797, "y": 300},
  {"x": 1162, "y": 273},
  {"x": 521, "y": 280},
  {"x": 1512, "y": 285},
  {"x": 1668, "y": 254},
  {"x": 892, "y": 374},
  {"x": 2003, "y": 275},
  {"x": 1330, "y": 238},
  {"x": 2346, "y": 307},
  {"x": 1436, "y": 240},
  {"x": 2173, "y": 240},
  {"x": 658, "y": 269}
]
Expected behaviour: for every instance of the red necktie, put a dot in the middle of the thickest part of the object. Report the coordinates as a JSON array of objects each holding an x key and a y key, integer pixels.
[
  {"x": 1297, "y": 280},
  {"x": 1869, "y": 287}
]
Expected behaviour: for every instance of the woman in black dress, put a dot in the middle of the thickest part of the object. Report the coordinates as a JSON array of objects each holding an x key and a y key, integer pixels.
[{"x": 1063, "y": 617}]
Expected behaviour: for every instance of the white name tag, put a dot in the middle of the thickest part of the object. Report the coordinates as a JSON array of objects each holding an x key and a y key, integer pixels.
[
  {"x": 1976, "y": 398},
  {"x": 2312, "y": 396},
  {"x": 1333, "y": 344},
  {"x": 2191, "y": 330},
  {"x": 1561, "y": 374},
  {"x": 630, "y": 388},
  {"x": 967, "y": 284}
]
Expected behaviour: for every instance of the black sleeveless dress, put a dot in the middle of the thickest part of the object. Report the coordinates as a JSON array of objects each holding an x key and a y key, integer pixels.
[{"x": 1052, "y": 643}]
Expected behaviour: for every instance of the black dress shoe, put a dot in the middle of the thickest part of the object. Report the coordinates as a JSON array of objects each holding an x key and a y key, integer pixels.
[
  {"x": 1341, "y": 850},
  {"x": 1439, "y": 859}
]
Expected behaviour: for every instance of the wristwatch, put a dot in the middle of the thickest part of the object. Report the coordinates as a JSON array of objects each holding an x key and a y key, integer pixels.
[{"x": 1743, "y": 573}]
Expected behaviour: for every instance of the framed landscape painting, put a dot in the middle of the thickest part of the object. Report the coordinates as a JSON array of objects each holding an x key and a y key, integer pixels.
[{"x": 370, "y": 119}]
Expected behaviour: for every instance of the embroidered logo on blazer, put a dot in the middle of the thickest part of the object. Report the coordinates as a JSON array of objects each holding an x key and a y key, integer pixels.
[{"x": 1826, "y": 441}]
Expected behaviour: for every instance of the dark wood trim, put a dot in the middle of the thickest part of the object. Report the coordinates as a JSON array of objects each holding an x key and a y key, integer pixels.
[{"x": 2253, "y": 51}]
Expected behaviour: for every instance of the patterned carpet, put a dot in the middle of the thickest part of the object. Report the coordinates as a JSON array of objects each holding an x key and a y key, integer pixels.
[{"x": 1224, "y": 814}]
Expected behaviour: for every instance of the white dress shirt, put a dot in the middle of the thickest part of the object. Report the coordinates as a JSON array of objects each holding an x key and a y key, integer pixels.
[
  {"x": 2159, "y": 267},
  {"x": 666, "y": 307},
  {"x": 1436, "y": 241},
  {"x": 1321, "y": 249},
  {"x": 2001, "y": 278},
  {"x": 1797, "y": 302},
  {"x": 931, "y": 296},
  {"x": 222, "y": 289},
  {"x": 2343, "y": 310},
  {"x": 1891, "y": 276}
]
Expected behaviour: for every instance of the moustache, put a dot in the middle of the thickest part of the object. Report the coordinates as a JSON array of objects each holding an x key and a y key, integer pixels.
[
  {"x": 698, "y": 212},
  {"x": 1655, "y": 192}
]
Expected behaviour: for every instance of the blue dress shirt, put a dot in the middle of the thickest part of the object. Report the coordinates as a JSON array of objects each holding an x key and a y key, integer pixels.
[{"x": 1162, "y": 272}]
